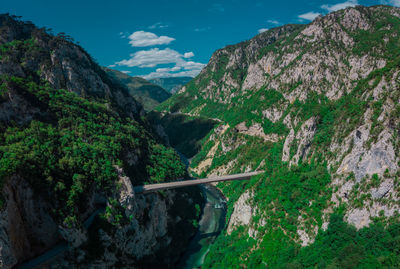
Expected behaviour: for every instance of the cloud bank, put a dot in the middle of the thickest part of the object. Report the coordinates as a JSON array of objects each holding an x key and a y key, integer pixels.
[
  {"x": 395, "y": 3},
  {"x": 274, "y": 22},
  {"x": 309, "y": 16},
  {"x": 145, "y": 39},
  {"x": 154, "y": 57},
  {"x": 331, "y": 8}
]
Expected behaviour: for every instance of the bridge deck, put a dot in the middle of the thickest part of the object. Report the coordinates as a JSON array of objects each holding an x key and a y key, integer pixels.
[{"x": 191, "y": 182}]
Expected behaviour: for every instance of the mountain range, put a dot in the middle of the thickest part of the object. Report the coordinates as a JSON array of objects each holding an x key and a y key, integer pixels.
[
  {"x": 145, "y": 92},
  {"x": 172, "y": 84},
  {"x": 73, "y": 143},
  {"x": 317, "y": 107}
]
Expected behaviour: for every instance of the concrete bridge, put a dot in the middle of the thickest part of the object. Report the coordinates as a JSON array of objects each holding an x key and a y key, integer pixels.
[{"x": 184, "y": 183}]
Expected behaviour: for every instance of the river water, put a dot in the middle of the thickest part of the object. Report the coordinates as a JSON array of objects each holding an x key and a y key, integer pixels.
[{"x": 210, "y": 225}]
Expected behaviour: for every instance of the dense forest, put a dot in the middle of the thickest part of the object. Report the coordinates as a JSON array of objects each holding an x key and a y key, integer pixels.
[{"x": 73, "y": 144}]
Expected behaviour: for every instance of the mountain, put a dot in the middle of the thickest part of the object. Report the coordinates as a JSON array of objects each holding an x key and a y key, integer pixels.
[
  {"x": 317, "y": 108},
  {"x": 73, "y": 143},
  {"x": 172, "y": 85},
  {"x": 147, "y": 93}
]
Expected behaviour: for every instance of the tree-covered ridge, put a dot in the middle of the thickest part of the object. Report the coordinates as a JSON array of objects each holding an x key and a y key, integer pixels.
[
  {"x": 171, "y": 84},
  {"x": 317, "y": 107},
  {"x": 145, "y": 92},
  {"x": 30, "y": 52},
  {"x": 74, "y": 145},
  {"x": 218, "y": 92},
  {"x": 286, "y": 199},
  {"x": 340, "y": 246}
]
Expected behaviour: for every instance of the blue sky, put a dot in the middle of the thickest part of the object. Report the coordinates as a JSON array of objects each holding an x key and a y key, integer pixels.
[{"x": 166, "y": 38}]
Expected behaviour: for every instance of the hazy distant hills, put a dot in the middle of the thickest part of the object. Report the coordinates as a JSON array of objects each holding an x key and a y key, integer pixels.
[
  {"x": 172, "y": 85},
  {"x": 147, "y": 93}
]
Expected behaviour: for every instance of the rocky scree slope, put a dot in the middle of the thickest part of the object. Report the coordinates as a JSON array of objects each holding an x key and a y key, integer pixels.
[
  {"x": 145, "y": 92},
  {"x": 317, "y": 107},
  {"x": 72, "y": 141}
]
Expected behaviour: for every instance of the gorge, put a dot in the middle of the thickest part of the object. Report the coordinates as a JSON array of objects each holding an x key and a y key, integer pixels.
[{"x": 315, "y": 107}]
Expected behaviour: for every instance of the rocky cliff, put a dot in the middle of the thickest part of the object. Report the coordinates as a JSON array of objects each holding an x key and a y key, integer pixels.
[
  {"x": 72, "y": 145},
  {"x": 317, "y": 107}
]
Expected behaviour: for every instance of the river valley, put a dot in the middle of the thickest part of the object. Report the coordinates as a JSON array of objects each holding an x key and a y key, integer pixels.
[{"x": 210, "y": 225}]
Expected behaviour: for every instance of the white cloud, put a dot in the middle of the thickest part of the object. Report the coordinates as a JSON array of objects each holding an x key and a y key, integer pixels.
[
  {"x": 192, "y": 65},
  {"x": 274, "y": 22},
  {"x": 145, "y": 39},
  {"x": 159, "y": 74},
  {"x": 151, "y": 58},
  {"x": 262, "y": 30},
  {"x": 183, "y": 69},
  {"x": 349, "y": 3},
  {"x": 112, "y": 65},
  {"x": 154, "y": 57},
  {"x": 309, "y": 16},
  {"x": 395, "y": 3},
  {"x": 188, "y": 55},
  {"x": 158, "y": 25},
  {"x": 126, "y": 72},
  {"x": 168, "y": 69}
]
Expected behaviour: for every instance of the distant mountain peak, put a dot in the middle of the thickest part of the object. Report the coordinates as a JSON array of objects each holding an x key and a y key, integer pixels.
[
  {"x": 172, "y": 84},
  {"x": 145, "y": 92}
]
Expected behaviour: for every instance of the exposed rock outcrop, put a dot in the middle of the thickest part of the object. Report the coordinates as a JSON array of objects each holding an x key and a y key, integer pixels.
[
  {"x": 26, "y": 227},
  {"x": 256, "y": 130},
  {"x": 324, "y": 94},
  {"x": 242, "y": 212},
  {"x": 52, "y": 86}
]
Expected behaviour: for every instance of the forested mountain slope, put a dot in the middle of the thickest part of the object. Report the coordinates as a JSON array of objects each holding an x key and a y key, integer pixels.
[
  {"x": 172, "y": 84},
  {"x": 73, "y": 141},
  {"x": 317, "y": 107},
  {"x": 145, "y": 92}
]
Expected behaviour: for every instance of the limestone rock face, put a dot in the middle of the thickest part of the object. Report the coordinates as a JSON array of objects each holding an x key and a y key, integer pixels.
[
  {"x": 273, "y": 114},
  {"x": 242, "y": 212},
  {"x": 145, "y": 234},
  {"x": 17, "y": 109},
  {"x": 319, "y": 69},
  {"x": 271, "y": 90},
  {"x": 304, "y": 136},
  {"x": 74, "y": 236},
  {"x": 63, "y": 65},
  {"x": 256, "y": 130},
  {"x": 363, "y": 161},
  {"x": 30, "y": 219},
  {"x": 26, "y": 227}
]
